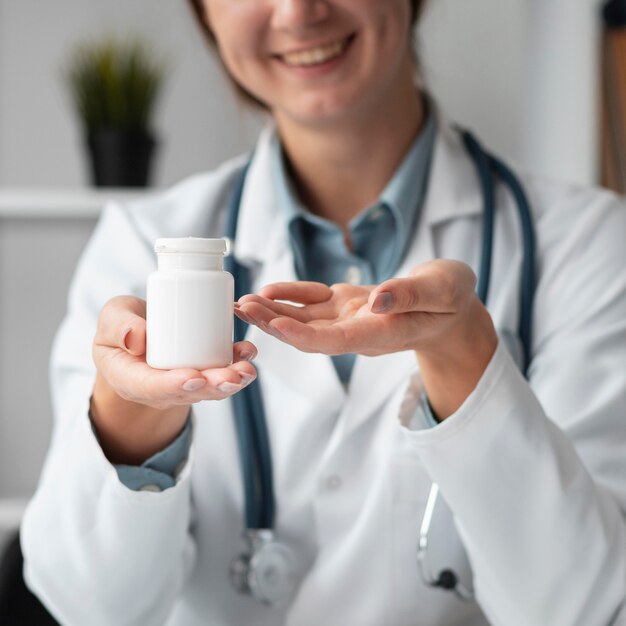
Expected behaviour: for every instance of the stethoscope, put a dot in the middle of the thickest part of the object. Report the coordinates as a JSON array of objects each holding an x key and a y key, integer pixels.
[{"x": 266, "y": 569}]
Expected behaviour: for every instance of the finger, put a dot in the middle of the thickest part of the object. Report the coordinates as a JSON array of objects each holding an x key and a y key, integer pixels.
[
  {"x": 303, "y": 292},
  {"x": 299, "y": 313},
  {"x": 257, "y": 313},
  {"x": 122, "y": 324},
  {"x": 134, "y": 380},
  {"x": 435, "y": 287},
  {"x": 244, "y": 351},
  {"x": 324, "y": 338},
  {"x": 266, "y": 319},
  {"x": 229, "y": 380},
  {"x": 240, "y": 314},
  {"x": 302, "y": 312}
]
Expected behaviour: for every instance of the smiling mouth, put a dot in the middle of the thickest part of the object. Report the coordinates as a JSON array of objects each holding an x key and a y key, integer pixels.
[{"x": 318, "y": 55}]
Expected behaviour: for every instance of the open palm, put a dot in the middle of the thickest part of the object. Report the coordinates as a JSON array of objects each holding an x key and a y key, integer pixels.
[{"x": 399, "y": 314}]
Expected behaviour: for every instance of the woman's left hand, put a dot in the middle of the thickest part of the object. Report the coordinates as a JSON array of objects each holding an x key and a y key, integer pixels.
[{"x": 434, "y": 311}]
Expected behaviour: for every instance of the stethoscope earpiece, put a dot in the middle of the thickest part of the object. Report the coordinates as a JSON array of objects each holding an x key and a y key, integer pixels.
[{"x": 446, "y": 580}]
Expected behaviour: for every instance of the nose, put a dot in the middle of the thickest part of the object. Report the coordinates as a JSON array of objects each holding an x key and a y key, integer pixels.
[{"x": 294, "y": 15}]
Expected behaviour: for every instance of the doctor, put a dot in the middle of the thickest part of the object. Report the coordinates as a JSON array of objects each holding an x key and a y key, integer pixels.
[{"x": 358, "y": 183}]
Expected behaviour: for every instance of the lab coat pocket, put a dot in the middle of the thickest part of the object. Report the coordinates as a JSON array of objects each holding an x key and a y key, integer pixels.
[
  {"x": 414, "y": 602},
  {"x": 409, "y": 489}
]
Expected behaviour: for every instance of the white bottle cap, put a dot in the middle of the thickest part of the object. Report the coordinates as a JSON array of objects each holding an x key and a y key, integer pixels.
[{"x": 190, "y": 245}]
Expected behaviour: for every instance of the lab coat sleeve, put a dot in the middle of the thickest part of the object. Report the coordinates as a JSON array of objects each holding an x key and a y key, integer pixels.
[
  {"x": 97, "y": 552},
  {"x": 535, "y": 471}
]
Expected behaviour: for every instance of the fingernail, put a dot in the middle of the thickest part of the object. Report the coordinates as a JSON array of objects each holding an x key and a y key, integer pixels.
[
  {"x": 194, "y": 384},
  {"x": 228, "y": 387},
  {"x": 382, "y": 302},
  {"x": 125, "y": 336},
  {"x": 246, "y": 318},
  {"x": 246, "y": 378},
  {"x": 275, "y": 332},
  {"x": 241, "y": 314},
  {"x": 247, "y": 355}
]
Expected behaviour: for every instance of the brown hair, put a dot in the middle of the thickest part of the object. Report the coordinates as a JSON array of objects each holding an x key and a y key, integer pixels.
[{"x": 200, "y": 14}]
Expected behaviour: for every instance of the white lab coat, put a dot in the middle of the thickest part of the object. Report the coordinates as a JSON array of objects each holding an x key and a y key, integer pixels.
[{"x": 535, "y": 474}]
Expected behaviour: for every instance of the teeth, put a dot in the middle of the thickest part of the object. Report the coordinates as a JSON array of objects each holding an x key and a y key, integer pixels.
[{"x": 315, "y": 55}]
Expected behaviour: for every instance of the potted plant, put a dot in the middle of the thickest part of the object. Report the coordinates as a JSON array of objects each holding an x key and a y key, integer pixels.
[{"x": 114, "y": 86}]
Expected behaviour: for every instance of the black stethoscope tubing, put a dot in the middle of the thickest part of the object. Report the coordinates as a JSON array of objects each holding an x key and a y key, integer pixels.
[
  {"x": 486, "y": 166},
  {"x": 251, "y": 425}
]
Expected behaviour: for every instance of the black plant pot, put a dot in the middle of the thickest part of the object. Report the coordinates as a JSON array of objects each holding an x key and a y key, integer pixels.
[{"x": 120, "y": 158}]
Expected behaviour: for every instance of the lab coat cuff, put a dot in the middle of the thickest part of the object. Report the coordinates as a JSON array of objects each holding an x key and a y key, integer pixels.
[{"x": 423, "y": 426}]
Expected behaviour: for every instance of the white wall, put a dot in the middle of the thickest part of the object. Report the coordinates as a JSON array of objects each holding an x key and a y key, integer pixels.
[
  {"x": 473, "y": 57},
  {"x": 37, "y": 258},
  {"x": 524, "y": 74},
  {"x": 40, "y": 141},
  {"x": 562, "y": 84}
]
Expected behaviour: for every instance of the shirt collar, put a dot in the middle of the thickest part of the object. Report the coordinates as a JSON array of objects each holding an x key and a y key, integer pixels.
[
  {"x": 262, "y": 234},
  {"x": 402, "y": 193},
  {"x": 402, "y": 199},
  {"x": 286, "y": 194},
  {"x": 405, "y": 190}
]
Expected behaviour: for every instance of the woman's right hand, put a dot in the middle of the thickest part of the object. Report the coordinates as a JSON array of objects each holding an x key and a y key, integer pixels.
[{"x": 137, "y": 410}]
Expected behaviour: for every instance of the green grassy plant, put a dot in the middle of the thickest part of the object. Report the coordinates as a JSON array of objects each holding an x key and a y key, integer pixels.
[{"x": 115, "y": 84}]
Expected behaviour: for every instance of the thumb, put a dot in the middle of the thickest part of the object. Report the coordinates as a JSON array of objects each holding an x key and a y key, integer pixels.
[
  {"x": 122, "y": 324},
  {"x": 134, "y": 337},
  {"x": 439, "y": 286}
]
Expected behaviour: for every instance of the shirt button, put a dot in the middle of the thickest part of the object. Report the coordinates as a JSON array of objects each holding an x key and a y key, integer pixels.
[
  {"x": 354, "y": 275},
  {"x": 333, "y": 483},
  {"x": 151, "y": 487}
]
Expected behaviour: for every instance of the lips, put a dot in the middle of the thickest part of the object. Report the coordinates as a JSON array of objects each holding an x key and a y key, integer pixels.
[{"x": 316, "y": 55}]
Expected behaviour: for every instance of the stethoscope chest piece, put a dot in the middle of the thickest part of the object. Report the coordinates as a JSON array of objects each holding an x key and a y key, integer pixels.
[{"x": 266, "y": 570}]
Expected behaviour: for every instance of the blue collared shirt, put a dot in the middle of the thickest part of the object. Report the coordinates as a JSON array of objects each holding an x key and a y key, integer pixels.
[{"x": 380, "y": 236}]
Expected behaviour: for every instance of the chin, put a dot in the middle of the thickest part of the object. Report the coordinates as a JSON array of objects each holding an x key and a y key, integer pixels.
[{"x": 323, "y": 109}]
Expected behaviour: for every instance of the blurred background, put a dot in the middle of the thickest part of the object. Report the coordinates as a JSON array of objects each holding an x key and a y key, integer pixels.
[{"x": 531, "y": 77}]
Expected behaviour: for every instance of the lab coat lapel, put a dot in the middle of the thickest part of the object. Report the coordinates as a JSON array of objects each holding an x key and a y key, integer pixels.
[
  {"x": 262, "y": 245},
  {"x": 452, "y": 194}
]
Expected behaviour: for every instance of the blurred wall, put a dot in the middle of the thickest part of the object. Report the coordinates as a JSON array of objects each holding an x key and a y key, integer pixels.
[
  {"x": 199, "y": 120},
  {"x": 37, "y": 259},
  {"x": 563, "y": 88},
  {"x": 522, "y": 73}
]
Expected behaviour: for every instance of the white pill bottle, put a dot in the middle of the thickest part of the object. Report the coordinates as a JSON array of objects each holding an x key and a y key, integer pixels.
[{"x": 189, "y": 315}]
